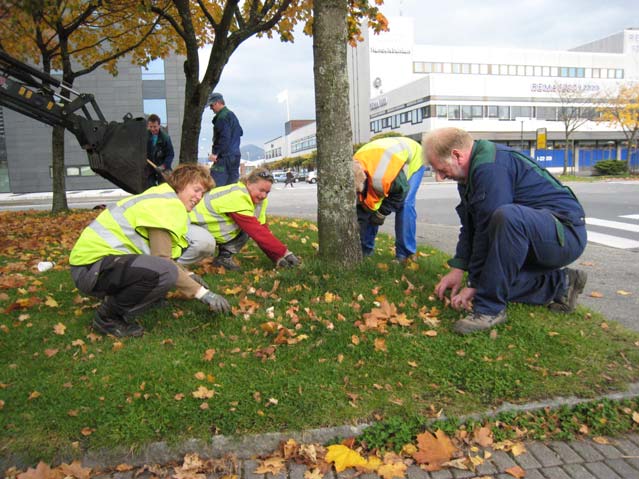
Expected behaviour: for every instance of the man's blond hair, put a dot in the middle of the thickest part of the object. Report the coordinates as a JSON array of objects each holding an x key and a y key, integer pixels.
[{"x": 439, "y": 143}]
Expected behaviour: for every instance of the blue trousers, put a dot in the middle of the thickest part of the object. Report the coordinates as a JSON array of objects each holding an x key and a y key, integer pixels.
[
  {"x": 405, "y": 223},
  {"x": 525, "y": 257},
  {"x": 226, "y": 170}
]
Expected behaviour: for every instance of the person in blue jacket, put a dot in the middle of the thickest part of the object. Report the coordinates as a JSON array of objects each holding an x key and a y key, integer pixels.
[
  {"x": 226, "y": 143},
  {"x": 520, "y": 227}
]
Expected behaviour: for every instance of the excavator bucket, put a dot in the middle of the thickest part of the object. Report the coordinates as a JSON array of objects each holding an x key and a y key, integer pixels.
[{"x": 120, "y": 155}]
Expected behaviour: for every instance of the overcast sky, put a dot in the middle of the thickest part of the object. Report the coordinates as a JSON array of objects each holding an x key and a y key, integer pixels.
[{"x": 262, "y": 68}]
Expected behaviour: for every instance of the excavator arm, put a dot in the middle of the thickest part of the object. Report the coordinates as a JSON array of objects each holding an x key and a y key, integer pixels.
[{"x": 117, "y": 150}]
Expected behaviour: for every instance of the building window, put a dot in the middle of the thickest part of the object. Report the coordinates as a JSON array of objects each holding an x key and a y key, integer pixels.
[
  {"x": 546, "y": 113},
  {"x": 441, "y": 111},
  {"x": 476, "y": 111},
  {"x": 437, "y": 67},
  {"x": 492, "y": 111},
  {"x": 466, "y": 112},
  {"x": 456, "y": 68},
  {"x": 154, "y": 70},
  {"x": 538, "y": 71},
  {"x": 520, "y": 112},
  {"x": 503, "y": 69},
  {"x": 465, "y": 68},
  {"x": 418, "y": 67},
  {"x": 554, "y": 71},
  {"x": 504, "y": 113},
  {"x": 483, "y": 69},
  {"x": 619, "y": 74},
  {"x": 530, "y": 70},
  {"x": 453, "y": 112},
  {"x": 596, "y": 73}
]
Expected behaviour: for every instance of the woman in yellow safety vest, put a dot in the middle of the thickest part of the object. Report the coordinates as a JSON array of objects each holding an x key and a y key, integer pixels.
[
  {"x": 388, "y": 172},
  {"x": 228, "y": 216},
  {"x": 126, "y": 254}
]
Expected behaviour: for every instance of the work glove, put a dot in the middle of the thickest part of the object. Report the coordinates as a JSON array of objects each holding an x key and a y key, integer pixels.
[
  {"x": 215, "y": 302},
  {"x": 289, "y": 260},
  {"x": 377, "y": 218},
  {"x": 198, "y": 279}
]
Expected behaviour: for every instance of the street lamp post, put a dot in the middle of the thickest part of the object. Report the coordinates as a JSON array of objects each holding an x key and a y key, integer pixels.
[{"x": 521, "y": 137}]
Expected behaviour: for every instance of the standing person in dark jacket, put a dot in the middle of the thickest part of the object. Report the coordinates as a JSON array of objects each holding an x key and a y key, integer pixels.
[
  {"x": 226, "y": 142},
  {"x": 520, "y": 227},
  {"x": 159, "y": 150}
]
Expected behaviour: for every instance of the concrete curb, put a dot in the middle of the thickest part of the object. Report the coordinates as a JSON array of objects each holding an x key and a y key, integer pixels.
[{"x": 250, "y": 446}]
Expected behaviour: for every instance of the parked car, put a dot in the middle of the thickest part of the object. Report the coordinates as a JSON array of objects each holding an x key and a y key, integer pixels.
[
  {"x": 279, "y": 176},
  {"x": 311, "y": 177}
]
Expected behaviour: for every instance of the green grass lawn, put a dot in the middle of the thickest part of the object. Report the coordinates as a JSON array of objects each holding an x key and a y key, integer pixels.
[{"x": 297, "y": 353}]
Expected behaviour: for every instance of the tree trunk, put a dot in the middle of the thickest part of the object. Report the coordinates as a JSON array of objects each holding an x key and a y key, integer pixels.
[
  {"x": 59, "y": 203},
  {"x": 338, "y": 230},
  {"x": 191, "y": 121}
]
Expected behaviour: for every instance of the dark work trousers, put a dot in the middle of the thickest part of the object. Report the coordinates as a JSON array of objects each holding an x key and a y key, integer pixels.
[
  {"x": 234, "y": 246},
  {"x": 226, "y": 170},
  {"x": 525, "y": 257},
  {"x": 128, "y": 283}
]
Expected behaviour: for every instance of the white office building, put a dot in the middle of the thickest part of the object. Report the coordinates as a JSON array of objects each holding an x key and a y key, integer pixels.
[{"x": 502, "y": 94}]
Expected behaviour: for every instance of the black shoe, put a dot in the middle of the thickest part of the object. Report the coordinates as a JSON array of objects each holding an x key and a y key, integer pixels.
[
  {"x": 575, "y": 283},
  {"x": 116, "y": 327},
  {"x": 227, "y": 262}
]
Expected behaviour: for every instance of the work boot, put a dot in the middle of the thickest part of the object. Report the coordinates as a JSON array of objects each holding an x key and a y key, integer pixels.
[
  {"x": 575, "y": 283},
  {"x": 227, "y": 262},
  {"x": 116, "y": 327},
  {"x": 478, "y": 322}
]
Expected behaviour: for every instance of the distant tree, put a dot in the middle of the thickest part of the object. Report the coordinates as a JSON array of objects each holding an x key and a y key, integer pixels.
[
  {"x": 75, "y": 37},
  {"x": 622, "y": 111},
  {"x": 575, "y": 109}
]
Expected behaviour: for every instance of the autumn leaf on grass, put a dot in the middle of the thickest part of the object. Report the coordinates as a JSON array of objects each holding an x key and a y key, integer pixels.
[
  {"x": 42, "y": 471},
  {"x": 380, "y": 345},
  {"x": 208, "y": 355},
  {"x": 49, "y": 353},
  {"x": 434, "y": 450},
  {"x": 344, "y": 457},
  {"x": 203, "y": 393},
  {"x": 59, "y": 329},
  {"x": 52, "y": 303},
  {"x": 635, "y": 416},
  {"x": 76, "y": 470},
  {"x": 272, "y": 465}
]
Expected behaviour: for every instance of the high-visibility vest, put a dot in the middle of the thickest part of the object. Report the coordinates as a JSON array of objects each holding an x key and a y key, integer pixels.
[
  {"x": 124, "y": 228},
  {"x": 213, "y": 211},
  {"x": 382, "y": 161}
]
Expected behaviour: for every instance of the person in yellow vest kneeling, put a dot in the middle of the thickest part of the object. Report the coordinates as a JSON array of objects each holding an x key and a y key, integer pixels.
[
  {"x": 126, "y": 255},
  {"x": 228, "y": 216}
]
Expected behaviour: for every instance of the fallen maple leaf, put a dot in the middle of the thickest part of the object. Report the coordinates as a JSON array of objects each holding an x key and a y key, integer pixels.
[
  {"x": 52, "y": 303},
  {"x": 380, "y": 345},
  {"x": 596, "y": 294},
  {"x": 516, "y": 471},
  {"x": 203, "y": 393},
  {"x": 59, "y": 329},
  {"x": 272, "y": 465},
  {"x": 34, "y": 395},
  {"x": 518, "y": 449},
  {"x": 49, "y": 353},
  {"x": 483, "y": 436},
  {"x": 344, "y": 457},
  {"x": 434, "y": 450},
  {"x": 208, "y": 355},
  {"x": 42, "y": 471},
  {"x": 76, "y": 470},
  {"x": 314, "y": 473},
  {"x": 389, "y": 471},
  {"x": 600, "y": 440}
]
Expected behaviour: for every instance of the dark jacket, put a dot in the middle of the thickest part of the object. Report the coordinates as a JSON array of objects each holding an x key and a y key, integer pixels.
[
  {"x": 162, "y": 153},
  {"x": 498, "y": 176},
  {"x": 226, "y": 134}
]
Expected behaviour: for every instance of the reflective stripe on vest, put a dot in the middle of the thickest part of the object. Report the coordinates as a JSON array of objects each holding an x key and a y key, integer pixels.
[
  {"x": 117, "y": 213},
  {"x": 220, "y": 224}
]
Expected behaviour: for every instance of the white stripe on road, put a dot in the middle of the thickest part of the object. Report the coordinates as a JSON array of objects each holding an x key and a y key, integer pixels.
[
  {"x": 613, "y": 224},
  {"x": 612, "y": 241},
  {"x": 630, "y": 217}
]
